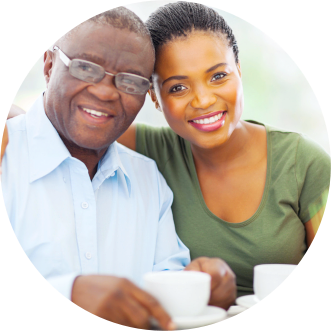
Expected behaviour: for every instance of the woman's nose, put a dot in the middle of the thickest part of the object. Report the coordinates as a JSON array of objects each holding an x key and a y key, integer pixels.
[{"x": 203, "y": 98}]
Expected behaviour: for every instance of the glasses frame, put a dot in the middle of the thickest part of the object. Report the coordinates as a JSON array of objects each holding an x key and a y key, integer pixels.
[{"x": 65, "y": 59}]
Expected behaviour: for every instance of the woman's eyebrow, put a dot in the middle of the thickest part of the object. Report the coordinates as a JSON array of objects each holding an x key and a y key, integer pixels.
[
  {"x": 174, "y": 78},
  {"x": 186, "y": 77},
  {"x": 216, "y": 66}
]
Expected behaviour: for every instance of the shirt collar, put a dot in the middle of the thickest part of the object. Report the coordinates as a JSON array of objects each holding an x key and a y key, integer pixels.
[
  {"x": 47, "y": 150},
  {"x": 110, "y": 164}
]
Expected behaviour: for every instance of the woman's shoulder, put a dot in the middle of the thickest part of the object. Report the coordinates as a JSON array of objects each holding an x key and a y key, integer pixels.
[
  {"x": 311, "y": 163},
  {"x": 303, "y": 146},
  {"x": 150, "y": 137},
  {"x": 158, "y": 143},
  {"x": 162, "y": 133},
  {"x": 299, "y": 143}
]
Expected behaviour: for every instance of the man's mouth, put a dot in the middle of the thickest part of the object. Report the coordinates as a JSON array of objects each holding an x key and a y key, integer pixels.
[
  {"x": 95, "y": 117},
  {"x": 95, "y": 113}
]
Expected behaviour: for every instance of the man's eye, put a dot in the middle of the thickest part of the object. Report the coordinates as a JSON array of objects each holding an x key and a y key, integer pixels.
[
  {"x": 85, "y": 67},
  {"x": 128, "y": 81},
  {"x": 177, "y": 88},
  {"x": 218, "y": 76}
]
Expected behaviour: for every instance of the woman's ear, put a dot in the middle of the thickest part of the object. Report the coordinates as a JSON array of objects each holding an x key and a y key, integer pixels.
[
  {"x": 239, "y": 69},
  {"x": 152, "y": 94}
]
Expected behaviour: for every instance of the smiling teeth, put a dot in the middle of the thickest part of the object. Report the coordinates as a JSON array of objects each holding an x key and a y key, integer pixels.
[
  {"x": 95, "y": 113},
  {"x": 209, "y": 120}
]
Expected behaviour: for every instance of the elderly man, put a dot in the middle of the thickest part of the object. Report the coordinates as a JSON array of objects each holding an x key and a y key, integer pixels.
[{"x": 91, "y": 215}]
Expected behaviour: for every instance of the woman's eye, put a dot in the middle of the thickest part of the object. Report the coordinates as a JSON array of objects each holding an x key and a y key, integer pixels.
[
  {"x": 177, "y": 88},
  {"x": 218, "y": 76}
]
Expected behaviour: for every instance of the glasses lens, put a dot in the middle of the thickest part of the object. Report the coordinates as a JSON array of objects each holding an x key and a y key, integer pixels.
[
  {"x": 86, "y": 71},
  {"x": 131, "y": 84}
]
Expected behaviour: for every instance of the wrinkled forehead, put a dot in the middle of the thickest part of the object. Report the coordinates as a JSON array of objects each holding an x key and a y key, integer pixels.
[
  {"x": 91, "y": 34},
  {"x": 109, "y": 46}
]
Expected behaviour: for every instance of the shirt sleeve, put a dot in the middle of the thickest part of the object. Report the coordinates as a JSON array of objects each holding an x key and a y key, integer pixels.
[
  {"x": 170, "y": 252},
  {"x": 313, "y": 178},
  {"x": 63, "y": 283}
]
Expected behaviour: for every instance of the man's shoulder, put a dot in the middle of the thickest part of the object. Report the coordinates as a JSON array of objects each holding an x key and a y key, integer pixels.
[
  {"x": 129, "y": 154},
  {"x": 17, "y": 134},
  {"x": 140, "y": 169},
  {"x": 17, "y": 123}
]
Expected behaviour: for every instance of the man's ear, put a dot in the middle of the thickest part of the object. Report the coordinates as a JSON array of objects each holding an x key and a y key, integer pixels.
[
  {"x": 152, "y": 94},
  {"x": 48, "y": 65}
]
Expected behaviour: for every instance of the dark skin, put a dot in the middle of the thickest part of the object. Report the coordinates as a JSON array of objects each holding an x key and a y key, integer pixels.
[
  {"x": 86, "y": 137},
  {"x": 113, "y": 298},
  {"x": 231, "y": 162}
]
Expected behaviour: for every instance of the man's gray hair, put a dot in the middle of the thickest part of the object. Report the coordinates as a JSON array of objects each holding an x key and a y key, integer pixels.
[
  {"x": 122, "y": 18},
  {"x": 119, "y": 18}
]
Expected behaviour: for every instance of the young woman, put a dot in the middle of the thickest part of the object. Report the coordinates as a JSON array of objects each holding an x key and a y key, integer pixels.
[{"x": 243, "y": 191}]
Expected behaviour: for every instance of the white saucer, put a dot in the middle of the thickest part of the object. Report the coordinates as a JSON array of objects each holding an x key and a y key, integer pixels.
[
  {"x": 247, "y": 301},
  {"x": 209, "y": 315}
]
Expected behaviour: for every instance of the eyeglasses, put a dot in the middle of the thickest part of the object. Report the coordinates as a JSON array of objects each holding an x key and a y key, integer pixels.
[{"x": 93, "y": 73}]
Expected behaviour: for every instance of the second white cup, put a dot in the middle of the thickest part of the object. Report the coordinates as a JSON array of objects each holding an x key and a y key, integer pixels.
[{"x": 267, "y": 277}]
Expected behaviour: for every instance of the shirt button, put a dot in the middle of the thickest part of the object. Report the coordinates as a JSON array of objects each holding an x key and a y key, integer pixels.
[
  {"x": 88, "y": 255},
  {"x": 64, "y": 179},
  {"x": 84, "y": 205},
  {"x": 112, "y": 175}
]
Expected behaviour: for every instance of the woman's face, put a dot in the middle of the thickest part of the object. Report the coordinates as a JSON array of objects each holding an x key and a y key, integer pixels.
[{"x": 198, "y": 87}]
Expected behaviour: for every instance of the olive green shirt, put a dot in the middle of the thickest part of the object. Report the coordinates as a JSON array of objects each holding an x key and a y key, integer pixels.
[{"x": 296, "y": 188}]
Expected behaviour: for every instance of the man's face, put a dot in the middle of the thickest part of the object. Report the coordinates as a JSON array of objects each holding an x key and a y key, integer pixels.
[{"x": 69, "y": 101}]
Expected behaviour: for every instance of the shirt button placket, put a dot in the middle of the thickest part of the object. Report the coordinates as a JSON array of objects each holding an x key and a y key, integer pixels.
[{"x": 84, "y": 205}]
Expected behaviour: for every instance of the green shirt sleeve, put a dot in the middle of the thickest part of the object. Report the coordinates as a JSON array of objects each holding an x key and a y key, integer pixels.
[{"x": 313, "y": 178}]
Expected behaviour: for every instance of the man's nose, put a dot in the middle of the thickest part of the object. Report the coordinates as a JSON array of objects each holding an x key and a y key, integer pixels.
[
  {"x": 105, "y": 90},
  {"x": 203, "y": 97}
]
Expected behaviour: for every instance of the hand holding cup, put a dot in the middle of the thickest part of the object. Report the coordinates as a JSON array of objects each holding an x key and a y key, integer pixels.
[
  {"x": 223, "y": 280},
  {"x": 119, "y": 300}
]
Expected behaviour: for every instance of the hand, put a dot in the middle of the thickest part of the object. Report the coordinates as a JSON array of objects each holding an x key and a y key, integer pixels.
[
  {"x": 118, "y": 300},
  {"x": 4, "y": 143},
  {"x": 223, "y": 280}
]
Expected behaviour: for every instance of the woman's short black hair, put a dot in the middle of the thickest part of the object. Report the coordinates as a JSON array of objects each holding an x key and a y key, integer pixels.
[{"x": 180, "y": 18}]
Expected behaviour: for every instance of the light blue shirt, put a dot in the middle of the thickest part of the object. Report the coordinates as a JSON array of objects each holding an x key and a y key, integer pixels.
[{"x": 120, "y": 223}]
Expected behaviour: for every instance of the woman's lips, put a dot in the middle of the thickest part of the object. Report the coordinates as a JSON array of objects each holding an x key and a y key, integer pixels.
[
  {"x": 210, "y": 122},
  {"x": 208, "y": 115}
]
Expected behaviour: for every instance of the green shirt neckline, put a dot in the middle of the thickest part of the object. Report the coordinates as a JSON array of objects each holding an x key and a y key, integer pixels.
[{"x": 265, "y": 191}]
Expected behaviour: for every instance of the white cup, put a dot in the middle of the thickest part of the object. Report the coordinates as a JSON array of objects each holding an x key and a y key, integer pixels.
[
  {"x": 268, "y": 277},
  {"x": 181, "y": 293}
]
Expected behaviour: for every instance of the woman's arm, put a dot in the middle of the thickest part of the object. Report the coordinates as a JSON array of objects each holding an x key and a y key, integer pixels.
[
  {"x": 128, "y": 138},
  {"x": 3, "y": 145},
  {"x": 15, "y": 111},
  {"x": 312, "y": 226}
]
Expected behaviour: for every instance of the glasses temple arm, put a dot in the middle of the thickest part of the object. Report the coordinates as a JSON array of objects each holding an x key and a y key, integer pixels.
[{"x": 63, "y": 57}]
